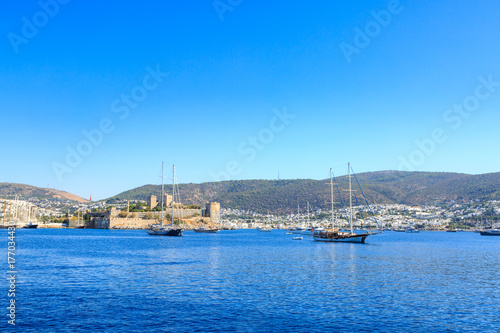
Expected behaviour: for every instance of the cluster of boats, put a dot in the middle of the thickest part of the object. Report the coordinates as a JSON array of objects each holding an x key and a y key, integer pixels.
[
  {"x": 319, "y": 234},
  {"x": 408, "y": 230},
  {"x": 333, "y": 234}
]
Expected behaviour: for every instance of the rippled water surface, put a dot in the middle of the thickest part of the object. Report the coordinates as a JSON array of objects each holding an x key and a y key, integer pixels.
[{"x": 248, "y": 281}]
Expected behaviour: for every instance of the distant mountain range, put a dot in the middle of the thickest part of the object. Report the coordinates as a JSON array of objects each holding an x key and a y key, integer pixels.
[
  {"x": 383, "y": 187},
  {"x": 28, "y": 191},
  {"x": 283, "y": 196}
]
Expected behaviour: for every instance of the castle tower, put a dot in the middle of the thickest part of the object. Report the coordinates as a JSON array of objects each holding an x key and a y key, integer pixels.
[
  {"x": 212, "y": 210},
  {"x": 152, "y": 202}
]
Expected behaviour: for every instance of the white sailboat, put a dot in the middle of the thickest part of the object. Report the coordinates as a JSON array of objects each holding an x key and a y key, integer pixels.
[
  {"x": 298, "y": 230},
  {"x": 265, "y": 228},
  {"x": 310, "y": 229},
  {"x": 168, "y": 230},
  {"x": 334, "y": 235}
]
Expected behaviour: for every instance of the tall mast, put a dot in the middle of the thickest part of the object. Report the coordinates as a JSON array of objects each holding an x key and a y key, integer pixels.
[
  {"x": 308, "y": 223},
  {"x": 162, "y": 190},
  {"x": 350, "y": 197},
  {"x": 298, "y": 211},
  {"x": 331, "y": 199},
  {"x": 173, "y": 195},
  {"x": 4, "y": 208}
]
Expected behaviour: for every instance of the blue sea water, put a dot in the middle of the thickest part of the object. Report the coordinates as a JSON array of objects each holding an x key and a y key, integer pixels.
[{"x": 249, "y": 281}]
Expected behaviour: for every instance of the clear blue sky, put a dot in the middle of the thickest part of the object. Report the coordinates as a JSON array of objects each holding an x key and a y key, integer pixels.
[{"x": 230, "y": 67}]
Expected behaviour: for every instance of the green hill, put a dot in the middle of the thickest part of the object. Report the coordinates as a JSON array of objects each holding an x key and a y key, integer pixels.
[
  {"x": 10, "y": 190},
  {"x": 282, "y": 196}
]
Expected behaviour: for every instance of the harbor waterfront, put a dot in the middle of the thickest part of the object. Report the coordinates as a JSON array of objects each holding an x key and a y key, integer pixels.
[{"x": 94, "y": 280}]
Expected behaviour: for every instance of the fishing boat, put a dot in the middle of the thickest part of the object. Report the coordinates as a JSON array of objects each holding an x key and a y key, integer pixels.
[
  {"x": 490, "y": 232},
  {"x": 206, "y": 230},
  {"x": 265, "y": 229},
  {"x": 307, "y": 231},
  {"x": 159, "y": 229},
  {"x": 210, "y": 230},
  {"x": 335, "y": 235},
  {"x": 30, "y": 225},
  {"x": 298, "y": 230}
]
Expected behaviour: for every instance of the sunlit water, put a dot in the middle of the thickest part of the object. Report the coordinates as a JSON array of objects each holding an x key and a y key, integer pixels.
[{"x": 248, "y": 281}]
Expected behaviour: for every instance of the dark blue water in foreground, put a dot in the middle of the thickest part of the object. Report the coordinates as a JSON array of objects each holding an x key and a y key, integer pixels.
[{"x": 247, "y": 281}]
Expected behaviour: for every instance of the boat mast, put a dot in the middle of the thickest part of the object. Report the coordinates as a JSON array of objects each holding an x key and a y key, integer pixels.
[
  {"x": 298, "y": 211},
  {"x": 331, "y": 193},
  {"x": 4, "y": 208},
  {"x": 173, "y": 195},
  {"x": 162, "y": 191},
  {"x": 308, "y": 222},
  {"x": 350, "y": 196}
]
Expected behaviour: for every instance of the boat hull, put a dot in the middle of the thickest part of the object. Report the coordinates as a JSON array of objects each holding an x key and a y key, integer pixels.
[
  {"x": 490, "y": 233},
  {"x": 30, "y": 226},
  {"x": 165, "y": 232},
  {"x": 207, "y": 231},
  {"x": 351, "y": 238}
]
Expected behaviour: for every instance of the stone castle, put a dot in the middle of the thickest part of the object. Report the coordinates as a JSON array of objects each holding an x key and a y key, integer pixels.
[{"x": 112, "y": 219}]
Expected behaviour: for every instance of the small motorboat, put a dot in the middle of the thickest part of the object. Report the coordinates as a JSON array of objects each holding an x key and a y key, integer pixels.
[
  {"x": 206, "y": 230},
  {"x": 298, "y": 238}
]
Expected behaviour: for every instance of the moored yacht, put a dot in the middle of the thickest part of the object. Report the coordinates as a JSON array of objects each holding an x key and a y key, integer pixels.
[
  {"x": 334, "y": 235},
  {"x": 298, "y": 230},
  {"x": 159, "y": 229},
  {"x": 490, "y": 232}
]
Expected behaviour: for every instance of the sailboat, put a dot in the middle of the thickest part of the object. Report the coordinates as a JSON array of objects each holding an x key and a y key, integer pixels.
[
  {"x": 30, "y": 225},
  {"x": 168, "y": 230},
  {"x": 78, "y": 224},
  {"x": 298, "y": 230},
  {"x": 334, "y": 235}
]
